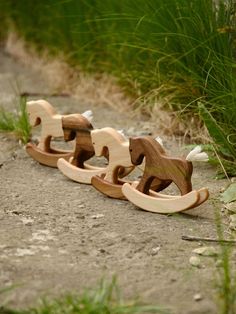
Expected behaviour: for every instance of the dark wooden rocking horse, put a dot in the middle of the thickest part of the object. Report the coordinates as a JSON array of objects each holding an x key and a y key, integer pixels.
[
  {"x": 165, "y": 170},
  {"x": 77, "y": 127}
]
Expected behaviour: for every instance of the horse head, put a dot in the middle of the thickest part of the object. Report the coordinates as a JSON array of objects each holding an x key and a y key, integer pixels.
[
  {"x": 38, "y": 108},
  {"x": 34, "y": 118},
  {"x": 99, "y": 147},
  {"x": 136, "y": 150}
]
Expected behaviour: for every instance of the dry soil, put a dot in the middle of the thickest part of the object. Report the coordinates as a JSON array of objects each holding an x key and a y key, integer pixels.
[{"x": 57, "y": 235}]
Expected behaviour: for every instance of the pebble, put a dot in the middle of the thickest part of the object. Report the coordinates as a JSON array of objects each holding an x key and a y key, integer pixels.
[
  {"x": 195, "y": 261},
  {"x": 97, "y": 216},
  {"x": 23, "y": 252},
  {"x": 197, "y": 297},
  {"x": 155, "y": 250},
  {"x": 206, "y": 251}
]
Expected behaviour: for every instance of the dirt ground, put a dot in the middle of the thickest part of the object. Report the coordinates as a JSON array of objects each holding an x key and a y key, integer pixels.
[{"x": 57, "y": 235}]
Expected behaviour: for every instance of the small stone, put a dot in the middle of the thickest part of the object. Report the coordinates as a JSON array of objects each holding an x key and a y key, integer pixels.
[
  {"x": 23, "y": 252},
  {"x": 155, "y": 250},
  {"x": 102, "y": 251},
  {"x": 197, "y": 297},
  {"x": 97, "y": 216},
  {"x": 26, "y": 221},
  {"x": 195, "y": 261},
  {"x": 81, "y": 206},
  {"x": 206, "y": 251}
]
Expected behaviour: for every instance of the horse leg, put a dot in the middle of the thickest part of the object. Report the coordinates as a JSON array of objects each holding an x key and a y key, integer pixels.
[
  {"x": 44, "y": 144},
  {"x": 184, "y": 187},
  {"x": 145, "y": 183},
  {"x": 159, "y": 185}
]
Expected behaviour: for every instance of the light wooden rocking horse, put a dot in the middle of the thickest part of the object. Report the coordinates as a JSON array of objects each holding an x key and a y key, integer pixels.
[
  {"x": 164, "y": 169},
  {"x": 79, "y": 128},
  {"x": 41, "y": 112},
  {"x": 109, "y": 140}
]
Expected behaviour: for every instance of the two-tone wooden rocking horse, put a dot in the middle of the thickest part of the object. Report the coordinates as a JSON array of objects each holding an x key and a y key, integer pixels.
[
  {"x": 165, "y": 169},
  {"x": 41, "y": 112},
  {"x": 112, "y": 142},
  {"x": 78, "y": 128}
]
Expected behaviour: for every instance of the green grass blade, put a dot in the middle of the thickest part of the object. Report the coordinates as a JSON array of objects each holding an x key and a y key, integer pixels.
[
  {"x": 216, "y": 132},
  {"x": 17, "y": 123}
]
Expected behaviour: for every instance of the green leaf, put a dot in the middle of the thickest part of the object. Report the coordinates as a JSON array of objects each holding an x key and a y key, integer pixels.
[
  {"x": 229, "y": 194},
  {"x": 216, "y": 132}
]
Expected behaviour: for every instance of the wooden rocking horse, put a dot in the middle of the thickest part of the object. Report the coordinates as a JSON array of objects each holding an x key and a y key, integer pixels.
[
  {"x": 165, "y": 170},
  {"x": 79, "y": 128},
  {"x": 41, "y": 112},
  {"x": 109, "y": 140}
]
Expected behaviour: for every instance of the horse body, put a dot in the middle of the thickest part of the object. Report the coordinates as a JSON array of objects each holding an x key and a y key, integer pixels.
[
  {"x": 109, "y": 140},
  {"x": 76, "y": 126},
  {"x": 159, "y": 166},
  {"x": 41, "y": 112}
]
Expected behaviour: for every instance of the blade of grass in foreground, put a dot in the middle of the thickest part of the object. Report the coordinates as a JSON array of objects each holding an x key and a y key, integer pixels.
[{"x": 104, "y": 300}]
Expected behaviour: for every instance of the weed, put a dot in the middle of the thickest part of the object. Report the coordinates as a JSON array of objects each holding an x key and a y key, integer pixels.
[
  {"x": 226, "y": 282},
  {"x": 106, "y": 299},
  {"x": 17, "y": 122}
]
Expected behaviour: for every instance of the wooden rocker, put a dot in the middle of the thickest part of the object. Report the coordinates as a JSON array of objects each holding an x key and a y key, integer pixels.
[
  {"x": 79, "y": 128},
  {"x": 166, "y": 170},
  {"x": 41, "y": 112},
  {"x": 111, "y": 141}
]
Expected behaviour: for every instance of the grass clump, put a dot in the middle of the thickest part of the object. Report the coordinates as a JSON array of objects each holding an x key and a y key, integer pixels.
[
  {"x": 105, "y": 299},
  {"x": 16, "y": 123}
]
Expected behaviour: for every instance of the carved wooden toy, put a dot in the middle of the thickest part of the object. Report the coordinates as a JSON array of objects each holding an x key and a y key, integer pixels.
[
  {"x": 79, "y": 128},
  {"x": 109, "y": 140},
  {"x": 41, "y": 112},
  {"x": 166, "y": 170}
]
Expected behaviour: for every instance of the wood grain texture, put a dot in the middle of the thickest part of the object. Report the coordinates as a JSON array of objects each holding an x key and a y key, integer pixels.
[
  {"x": 160, "y": 205},
  {"x": 77, "y": 127},
  {"x": 111, "y": 141},
  {"x": 45, "y": 158},
  {"x": 160, "y": 166},
  {"x": 165, "y": 170},
  {"x": 203, "y": 196},
  {"x": 41, "y": 112},
  {"x": 107, "y": 188},
  {"x": 81, "y": 175}
]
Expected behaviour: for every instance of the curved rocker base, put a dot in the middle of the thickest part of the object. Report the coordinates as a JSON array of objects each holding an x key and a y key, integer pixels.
[
  {"x": 79, "y": 174},
  {"x": 107, "y": 188},
  {"x": 45, "y": 158},
  {"x": 162, "y": 204},
  {"x": 203, "y": 196}
]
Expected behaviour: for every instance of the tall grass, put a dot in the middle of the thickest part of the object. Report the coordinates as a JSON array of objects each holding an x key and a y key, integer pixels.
[{"x": 184, "y": 49}]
